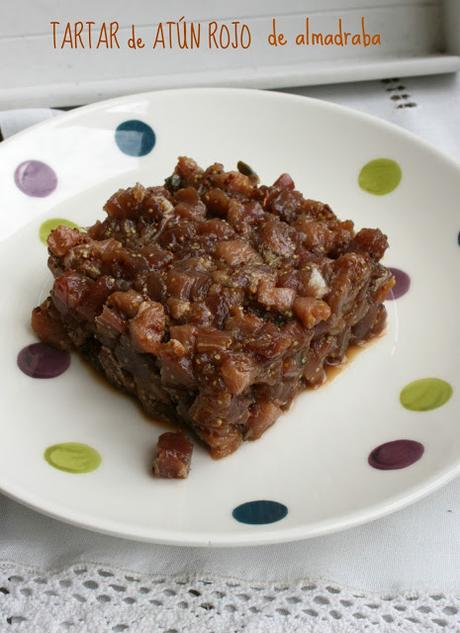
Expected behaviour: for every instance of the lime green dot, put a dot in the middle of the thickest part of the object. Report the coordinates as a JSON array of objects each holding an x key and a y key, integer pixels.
[
  {"x": 380, "y": 176},
  {"x": 48, "y": 225},
  {"x": 425, "y": 394},
  {"x": 73, "y": 457}
]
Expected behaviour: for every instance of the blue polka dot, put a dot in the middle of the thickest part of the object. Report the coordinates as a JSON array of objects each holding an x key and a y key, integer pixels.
[
  {"x": 135, "y": 138},
  {"x": 260, "y": 512}
]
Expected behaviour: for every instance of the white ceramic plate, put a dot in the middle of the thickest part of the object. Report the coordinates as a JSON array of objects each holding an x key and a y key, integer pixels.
[{"x": 314, "y": 460}]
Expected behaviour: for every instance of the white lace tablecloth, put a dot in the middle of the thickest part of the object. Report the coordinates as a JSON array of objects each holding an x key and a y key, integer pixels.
[{"x": 401, "y": 573}]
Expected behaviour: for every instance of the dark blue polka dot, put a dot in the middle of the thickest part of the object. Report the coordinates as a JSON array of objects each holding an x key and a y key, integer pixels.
[
  {"x": 260, "y": 512},
  {"x": 458, "y": 238},
  {"x": 135, "y": 138}
]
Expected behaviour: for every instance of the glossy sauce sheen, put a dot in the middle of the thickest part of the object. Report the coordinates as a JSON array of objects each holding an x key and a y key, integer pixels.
[
  {"x": 97, "y": 376},
  {"x": 332, "y": 371}
]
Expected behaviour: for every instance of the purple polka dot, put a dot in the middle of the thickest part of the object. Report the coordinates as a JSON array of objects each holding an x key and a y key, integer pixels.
[
  {"x": 396, "y": 454},
  {"x": 35, "y": 178},
  {"x": 42, "y": 361},
  {"x": 402, "y": 283}
]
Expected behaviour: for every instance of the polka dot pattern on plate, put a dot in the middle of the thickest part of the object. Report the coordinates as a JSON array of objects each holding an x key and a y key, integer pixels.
[
  {"x": 380, "y": 176},
  {"x": 48, "y": 225},
  {"x": 402, "y": 284},
  {"x": 35, "y": 178},
  {"x": 259, "y": 512},
  {"x": 73, "y": 457},
  {"x": 43, "y": 361},
  {"x": 425, "y": 394},
  {"x": 396, "y": 454},
  {"x": 135, "y": 138}
]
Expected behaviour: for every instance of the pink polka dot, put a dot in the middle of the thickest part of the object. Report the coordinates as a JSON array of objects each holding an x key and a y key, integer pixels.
[{"x": 35, "y": 178}]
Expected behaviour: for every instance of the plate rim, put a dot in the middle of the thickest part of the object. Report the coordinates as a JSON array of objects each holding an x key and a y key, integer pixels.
[
  {"x": 243, "y": 539},
  {"x": 67, "y": 116}
]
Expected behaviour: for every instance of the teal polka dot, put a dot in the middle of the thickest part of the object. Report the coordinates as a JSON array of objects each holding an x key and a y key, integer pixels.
[
  {"x": 260, "y": 512},
  {"x": 135, "y": 138}
]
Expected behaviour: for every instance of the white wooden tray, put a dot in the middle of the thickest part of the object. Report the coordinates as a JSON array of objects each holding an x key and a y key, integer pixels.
[{"x": 419, "y": 37}]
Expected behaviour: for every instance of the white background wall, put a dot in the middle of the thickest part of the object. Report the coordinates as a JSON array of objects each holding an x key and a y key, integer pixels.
[{"x": 414, "y": 36}]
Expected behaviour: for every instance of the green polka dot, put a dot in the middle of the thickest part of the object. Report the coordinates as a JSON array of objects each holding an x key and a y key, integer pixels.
[
  {"x": 73, "y": 457},
  {"x": 425, "y": 394},
  {"x": 380, "y": 176},
  {"x": 48, "y": 225}
]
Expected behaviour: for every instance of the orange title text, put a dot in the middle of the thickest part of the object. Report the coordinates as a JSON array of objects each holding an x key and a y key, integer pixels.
[{"x": 191, "y": 35}]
